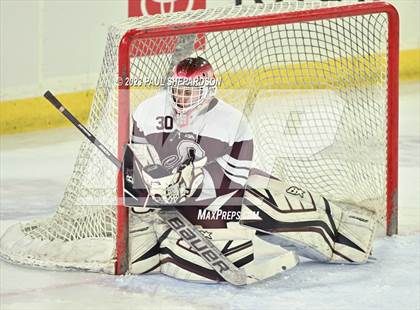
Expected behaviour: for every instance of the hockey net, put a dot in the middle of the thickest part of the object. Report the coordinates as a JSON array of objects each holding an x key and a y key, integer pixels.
[{"x": 318, "y": 85}]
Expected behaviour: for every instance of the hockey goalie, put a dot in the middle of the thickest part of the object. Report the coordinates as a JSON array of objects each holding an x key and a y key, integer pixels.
[{"x": 192, "y": 151}]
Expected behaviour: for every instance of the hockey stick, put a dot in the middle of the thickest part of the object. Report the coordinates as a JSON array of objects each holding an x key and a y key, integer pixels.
[{"x": 204, "y": 247}]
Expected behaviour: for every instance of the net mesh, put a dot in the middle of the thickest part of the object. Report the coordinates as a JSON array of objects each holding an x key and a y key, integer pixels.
[{"x": 313, "y": 92}]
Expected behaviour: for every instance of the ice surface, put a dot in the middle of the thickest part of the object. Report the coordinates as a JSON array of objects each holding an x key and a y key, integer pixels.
[{"x": 35, "y": 167}]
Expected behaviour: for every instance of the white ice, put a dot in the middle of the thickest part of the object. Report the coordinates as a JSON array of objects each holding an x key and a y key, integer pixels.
[{"x": 35, "y": 168}]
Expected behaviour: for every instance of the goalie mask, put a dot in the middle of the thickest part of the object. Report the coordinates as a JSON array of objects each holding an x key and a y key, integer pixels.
[{"x": 192, "y": 86}]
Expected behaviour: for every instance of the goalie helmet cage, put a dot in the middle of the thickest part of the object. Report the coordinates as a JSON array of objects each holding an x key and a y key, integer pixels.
[{"x": 318, "y": 83}]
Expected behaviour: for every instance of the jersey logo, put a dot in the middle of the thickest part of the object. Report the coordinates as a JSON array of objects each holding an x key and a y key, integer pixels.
[{"x": 183, "y": 150}]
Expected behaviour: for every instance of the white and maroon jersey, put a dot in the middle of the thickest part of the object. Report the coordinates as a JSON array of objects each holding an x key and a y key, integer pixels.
[{"x": 220, "y": 132}]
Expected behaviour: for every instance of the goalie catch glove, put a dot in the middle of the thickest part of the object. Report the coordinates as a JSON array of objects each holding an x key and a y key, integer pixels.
[{"x": 172, "y": 187}]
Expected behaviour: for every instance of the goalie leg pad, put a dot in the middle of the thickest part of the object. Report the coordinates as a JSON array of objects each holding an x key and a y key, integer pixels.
[
  {"x": 357, "y": 226},
  {"x": 259, "y": 258},
  {"x": 143, "y": 243},
  {"x": 308, "y": 223}
]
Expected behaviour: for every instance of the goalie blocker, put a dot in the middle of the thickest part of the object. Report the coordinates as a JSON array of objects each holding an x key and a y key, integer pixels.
[{"x": 155, "y": 247}]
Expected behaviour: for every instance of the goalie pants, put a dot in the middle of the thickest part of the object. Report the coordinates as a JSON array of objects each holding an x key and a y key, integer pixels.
[{"x": 155, "y": 247}]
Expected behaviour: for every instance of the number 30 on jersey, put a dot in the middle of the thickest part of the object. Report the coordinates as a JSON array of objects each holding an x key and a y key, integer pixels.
[{"x": 165, "y": 122}]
